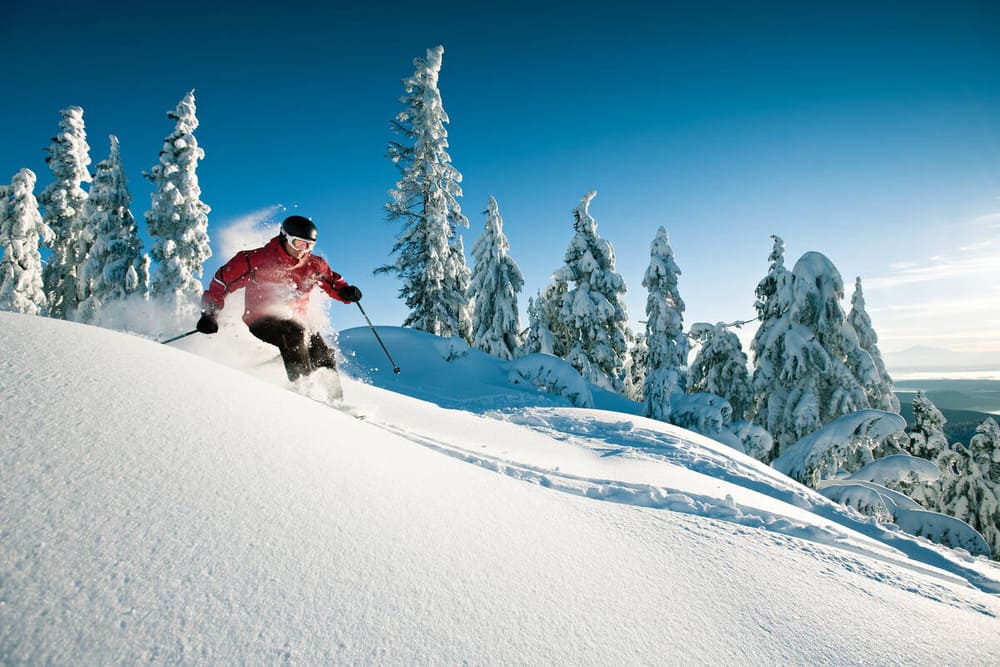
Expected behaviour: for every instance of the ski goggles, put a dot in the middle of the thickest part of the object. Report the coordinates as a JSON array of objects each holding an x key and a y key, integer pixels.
[{"x": 300, "y": 243}]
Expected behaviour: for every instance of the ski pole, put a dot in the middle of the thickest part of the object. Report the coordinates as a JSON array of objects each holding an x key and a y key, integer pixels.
[
  {"x": 395, "y": 368},
  {"x": 183, "y": 335}
]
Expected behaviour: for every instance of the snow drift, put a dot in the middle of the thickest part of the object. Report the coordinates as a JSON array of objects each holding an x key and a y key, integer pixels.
[{"x": 156, "y": 506}]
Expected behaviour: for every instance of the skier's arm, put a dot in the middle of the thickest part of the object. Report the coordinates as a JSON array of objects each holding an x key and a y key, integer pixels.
[
  {"x": 233, "y": 275},
  {"x": 335, "y": 285}
]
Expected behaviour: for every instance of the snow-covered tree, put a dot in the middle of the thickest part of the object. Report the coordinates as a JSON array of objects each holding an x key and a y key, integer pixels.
[
  {"x": 844, "y": 445},
  {"x": 592, "y": 308},
  {"x": 546, "y": 332},
  {"x": 62, "y": 202},
  {"x": 880, "y": 394},
  {"x": 460, "y": 277},
  {"x": 771, "y": 302},
  {"x": 115, "y": 266},
  {"x": 178, "y": 219},
  {"x": 805, "y": 352},
  {"x": 537, "y": 337},
  {"x": 495, "y": 284},
  {"x": 720, "y": 367},
  {"x": 774, "y": 300},
  {"x": 21, "y": 231},
  {"x": 635, "y": 366},
  {"x": 429, "y": 261},
  {"x": 966, "y": 493},
  {"x": 666, "y": 344},
  {"x": 927, "y": 438},
  {"x": 985, "y": 446}
]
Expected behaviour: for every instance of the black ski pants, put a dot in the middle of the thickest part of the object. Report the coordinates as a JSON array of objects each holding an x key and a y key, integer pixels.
[{"x": 302, "y": 351}]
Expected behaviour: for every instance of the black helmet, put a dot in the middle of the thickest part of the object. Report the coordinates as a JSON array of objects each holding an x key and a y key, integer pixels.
[{"x": 299, "y": 227}]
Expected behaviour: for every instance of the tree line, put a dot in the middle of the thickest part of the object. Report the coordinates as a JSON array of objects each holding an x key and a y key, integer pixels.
[
  {"x": 813, "y": 364},
  {"x": 96, "y": 264}
]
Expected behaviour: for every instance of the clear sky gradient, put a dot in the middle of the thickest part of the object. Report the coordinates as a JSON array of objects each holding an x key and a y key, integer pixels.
[{"x": 868, "y": 133}]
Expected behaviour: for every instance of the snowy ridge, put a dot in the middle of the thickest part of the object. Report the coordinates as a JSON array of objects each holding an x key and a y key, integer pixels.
[{"x": 159, "y": 507}]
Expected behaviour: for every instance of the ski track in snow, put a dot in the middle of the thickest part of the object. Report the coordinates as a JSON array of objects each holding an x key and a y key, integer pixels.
[
  {"x": 616, "y": 435},
  {"x": 621, "y": 438}
]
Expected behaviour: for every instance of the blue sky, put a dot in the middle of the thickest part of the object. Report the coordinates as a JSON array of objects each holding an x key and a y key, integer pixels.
[{"x": 870, "y": 134}]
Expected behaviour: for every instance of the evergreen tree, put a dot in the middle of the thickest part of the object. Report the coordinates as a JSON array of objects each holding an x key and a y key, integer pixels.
[
  {"x": 495, "y": 284},
  {"x": 635, "y": 367},
  {"x": 460, "y": 277},
  {"x": 769, "y": 291},
  {"x": 178, "y": 219},
  {"x": 21, "y": 231},
  {"x": 774, "y": 300},
  {"x": 429, "y": 259},
  {"x": 546, "y": 332},
  {"x": 966, "y": 493},
  {"x": 927, "y": 438},
  {"x": 880, "y": 393},
  {"x": 805, "y": 352},
  {"x": 666, "y": 344},
  {"x": 63, "y": 202},
  {"x": 539, "y": 337},
  {"x": 115, "y": 267},
  {"x": 985, "y": 445},
  {"x": 593, "y": 309},
  {"x": 984, "y": 448},
  {"x": 720, "y": 368}
]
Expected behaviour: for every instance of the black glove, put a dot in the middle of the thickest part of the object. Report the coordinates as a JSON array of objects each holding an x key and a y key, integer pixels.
[
  {"x": 207, "y": 324},
  {"x": 350, "y": 292}
]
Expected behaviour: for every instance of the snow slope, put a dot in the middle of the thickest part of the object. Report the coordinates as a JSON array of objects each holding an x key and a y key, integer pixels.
[{"x": 162, "y": 507}]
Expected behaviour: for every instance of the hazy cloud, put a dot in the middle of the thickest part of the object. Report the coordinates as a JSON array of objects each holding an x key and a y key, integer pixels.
[
  {"x": 991, "y": 221},
  {"x": 980, "y": 258}
]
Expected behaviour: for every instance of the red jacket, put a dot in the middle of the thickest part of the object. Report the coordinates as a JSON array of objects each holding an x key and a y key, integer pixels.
[{"x": 277, "y": 284}]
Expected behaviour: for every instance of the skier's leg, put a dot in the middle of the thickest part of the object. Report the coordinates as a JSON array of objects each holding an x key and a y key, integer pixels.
[
  {"x": 290, "y": 339},
  {"x": 324, "y": 365},
  {"x": 320, "y": 353}
]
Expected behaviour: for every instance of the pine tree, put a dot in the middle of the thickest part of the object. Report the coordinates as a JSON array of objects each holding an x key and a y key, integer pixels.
[
  {"x": 720, "y": 368},
  {"x": 495, "y": 284},
  {"x": 927, "y": 438},
  {"x": 966, "y": 493},
  {"x": 667, "y": 346},
  {"x": 178, "y": 219},
  {"x": 538, "y": 338},
  {"x": 769, "y": 304},
  {"x": 880, "y": 394},
  {"x": 985, "y": 445},
  {"x": 635, "y": 367},
  {"x": 547, "y": 333},
  {"x": 806, "y": 353},
  {"x": 460, "y": 278},
  {"x": 774, "y": 300},
  {"x": 21, "y": 231},
  {"x": 115, "y": 267},
  {"x": 63, "y": 202},
  {"x": 428, "y": 253},
  {"x": 592, "y": 308},
  {"x": 984, "y": 450}
]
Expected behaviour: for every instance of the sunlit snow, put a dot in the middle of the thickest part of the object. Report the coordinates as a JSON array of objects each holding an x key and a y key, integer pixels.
[{"x": 182, "y": 503}]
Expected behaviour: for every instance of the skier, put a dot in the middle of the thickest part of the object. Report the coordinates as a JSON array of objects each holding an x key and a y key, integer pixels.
[{"x": 278, "y": 278}]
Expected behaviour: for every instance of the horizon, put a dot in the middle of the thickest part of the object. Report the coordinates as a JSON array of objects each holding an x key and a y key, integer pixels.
[{"x": 871, "y": 135}]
